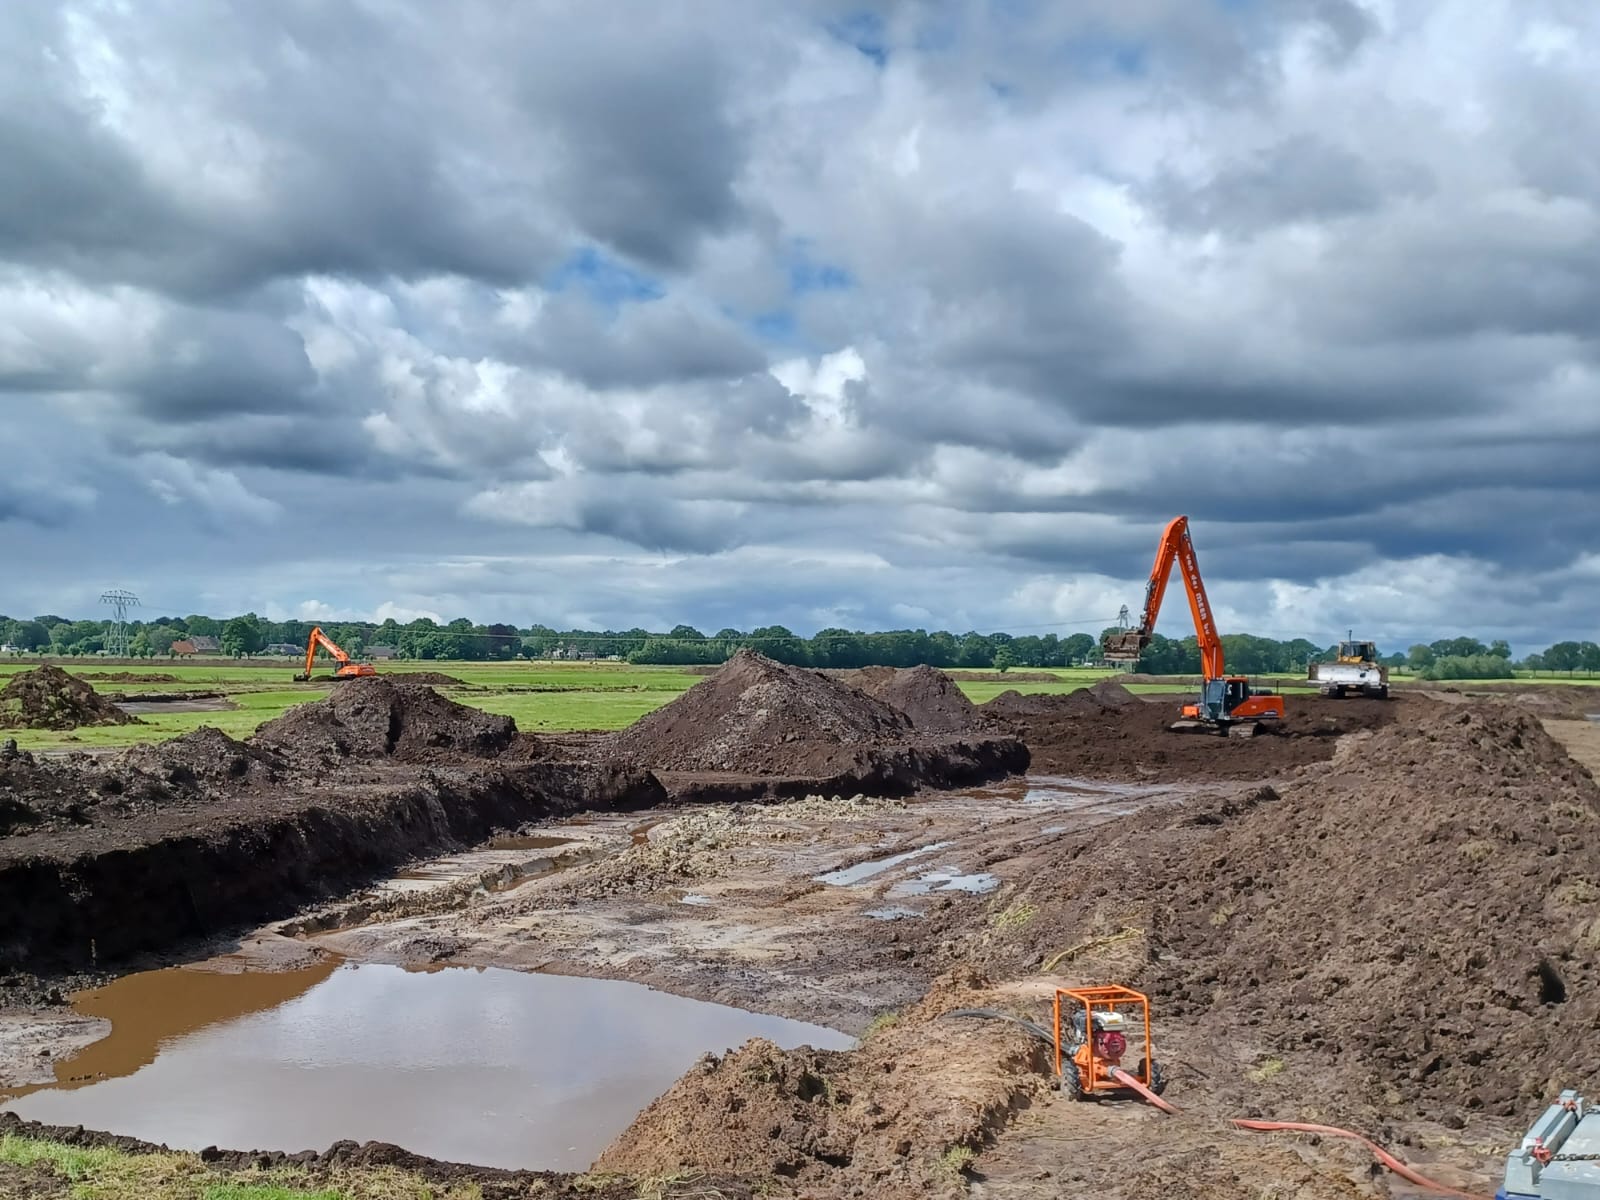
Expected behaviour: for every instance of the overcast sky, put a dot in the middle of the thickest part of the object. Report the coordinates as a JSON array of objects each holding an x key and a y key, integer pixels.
[{"x": 871, "y": 314}]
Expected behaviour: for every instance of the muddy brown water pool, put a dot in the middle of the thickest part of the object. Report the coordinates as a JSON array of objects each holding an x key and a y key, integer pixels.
[{"x": 486, "y": 1066}]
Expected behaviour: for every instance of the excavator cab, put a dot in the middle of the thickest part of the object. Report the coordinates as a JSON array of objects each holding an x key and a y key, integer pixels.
[{"x": 1231, "y": 706}]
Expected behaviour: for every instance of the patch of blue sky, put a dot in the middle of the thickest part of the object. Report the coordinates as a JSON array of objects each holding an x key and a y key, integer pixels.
[
  {"x": 605, "y": 280},
  {"x": 775, "y": 326},
  {"x": 864, "y": 31}
]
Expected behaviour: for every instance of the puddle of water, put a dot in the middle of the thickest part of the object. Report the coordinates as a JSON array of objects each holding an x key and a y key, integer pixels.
[
  {"x": 948, "y": 880},
  {"x": 863, "y": 871},
  {"x": 517, "y": 841},
  {"x": 697, "y": 901},
  {"x": 1059, "y": 791},
  {"x": 892, "y": 913},
  {"x": 493, "y": 1067},
  {"x": 144, "y": 708}
]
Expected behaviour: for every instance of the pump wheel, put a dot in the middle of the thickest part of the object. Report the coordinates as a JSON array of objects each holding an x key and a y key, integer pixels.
[{"x": 1158, "y": 1079}]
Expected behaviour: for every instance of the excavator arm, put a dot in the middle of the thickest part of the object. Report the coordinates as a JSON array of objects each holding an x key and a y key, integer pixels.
[
  {"x": 346, "y": 668},
  {"x": 1175, "y": 548}
]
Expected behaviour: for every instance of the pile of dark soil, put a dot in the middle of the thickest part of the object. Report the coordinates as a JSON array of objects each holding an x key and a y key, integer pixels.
[
  {"x": 1108, "y": 732},
  {"x": 1419, "y": 920},
  {"x": 929, "y": 698},
  {"x": 48, "y": 698},
  {"x": 386, "y": 717},
  {"x": 128, "y": 676},
  {"x": 760, "y": 717},
  {"x": 1105, "y": 696},
  {"x": 206, "y": 758}
]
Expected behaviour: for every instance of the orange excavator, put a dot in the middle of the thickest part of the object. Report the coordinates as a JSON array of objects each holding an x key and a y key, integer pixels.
[
  {"x": 1227, "y": 703},
  {"x": 348, "y": 668}
]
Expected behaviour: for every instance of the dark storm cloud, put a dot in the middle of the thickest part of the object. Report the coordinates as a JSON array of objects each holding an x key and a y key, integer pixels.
[
  {"x": 657, "y": 342},
  {"x": 647, "y": 154},
  {"x": 211, "y": 365}
]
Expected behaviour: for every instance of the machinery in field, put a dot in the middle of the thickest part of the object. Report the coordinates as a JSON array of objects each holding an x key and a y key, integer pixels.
[
  {"x": 1559, "y": 1158},
  {"x": 1092, "y": 1028},
  {"x": 1227, "y": 703},
  {"x": 348, "y": 668},
  {"x": 1355, "y": 668}
]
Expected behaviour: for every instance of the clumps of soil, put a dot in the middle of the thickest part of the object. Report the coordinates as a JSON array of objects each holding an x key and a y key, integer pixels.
[
  {"x": 1108, "y": 732},
  {"x": 38, "y": 794},
  {"x": 930, "y": 699},
  {"x": 206, "y": 758},
  {"x": 895, "y": 1118},
  {"x": 760, "y": 717},
  {"x": 48, "y": 698},
  {"x": 1416, "y": 921},
  {"x": 386, "y": 718}
]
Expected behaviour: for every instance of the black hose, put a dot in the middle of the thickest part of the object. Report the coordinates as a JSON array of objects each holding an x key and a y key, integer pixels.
[{"x": 994, "y": 1014}]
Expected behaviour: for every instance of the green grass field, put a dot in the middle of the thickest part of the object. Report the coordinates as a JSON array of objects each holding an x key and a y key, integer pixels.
[{"x": 552, "y": 697}]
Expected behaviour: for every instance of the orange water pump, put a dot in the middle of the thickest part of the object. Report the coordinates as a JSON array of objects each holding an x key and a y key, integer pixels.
[{"x": 1093, "y": 1026}]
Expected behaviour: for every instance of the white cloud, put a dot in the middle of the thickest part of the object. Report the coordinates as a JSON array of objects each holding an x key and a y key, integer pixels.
[{"x": 206, "y": 493}]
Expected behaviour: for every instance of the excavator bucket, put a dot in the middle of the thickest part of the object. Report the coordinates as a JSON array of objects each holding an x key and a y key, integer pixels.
[{"x": 1124, "y": 647}]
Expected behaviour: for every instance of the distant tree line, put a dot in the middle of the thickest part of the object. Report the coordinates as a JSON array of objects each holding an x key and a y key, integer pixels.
[{"x": 461, "y": 639}]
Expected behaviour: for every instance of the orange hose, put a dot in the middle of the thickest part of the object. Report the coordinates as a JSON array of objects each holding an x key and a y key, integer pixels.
[
  {"x": 1128, "y": 1081},
  {"x": 1382, "y": 1155}
]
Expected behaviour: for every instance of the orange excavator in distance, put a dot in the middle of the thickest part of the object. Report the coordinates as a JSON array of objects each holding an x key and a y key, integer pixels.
[
  {"x": 1227, "y": 703},
  {"x": 348, "y": 668}
]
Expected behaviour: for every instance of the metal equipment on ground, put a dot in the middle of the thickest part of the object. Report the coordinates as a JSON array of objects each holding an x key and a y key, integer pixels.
[
  {"x": 1092, "y": 1030},
  {"x": 1227, "y": 703},
  {"x": 1355, "y": 668},
  {"x": 1559, "y": 1158},
  {"x": 348, "y": 668}
]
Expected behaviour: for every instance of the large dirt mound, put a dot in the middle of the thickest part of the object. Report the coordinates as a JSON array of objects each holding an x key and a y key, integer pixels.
[
  {"x": 879, "y": 1121},
  {"x": 931, "y": 699},
  {"x": 1420, "y": 917},
  {"x": 1108, "y": 732},
  {"x": 48, "y": 698},
  {"x": 759, "y": 717},
  {"x": 385, "y": 717}
]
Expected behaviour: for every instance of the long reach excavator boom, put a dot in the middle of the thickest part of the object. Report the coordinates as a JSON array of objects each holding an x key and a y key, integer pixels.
[
  {"x": 1227, "y": 702},
  {"x": 348, "y": 668}
]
